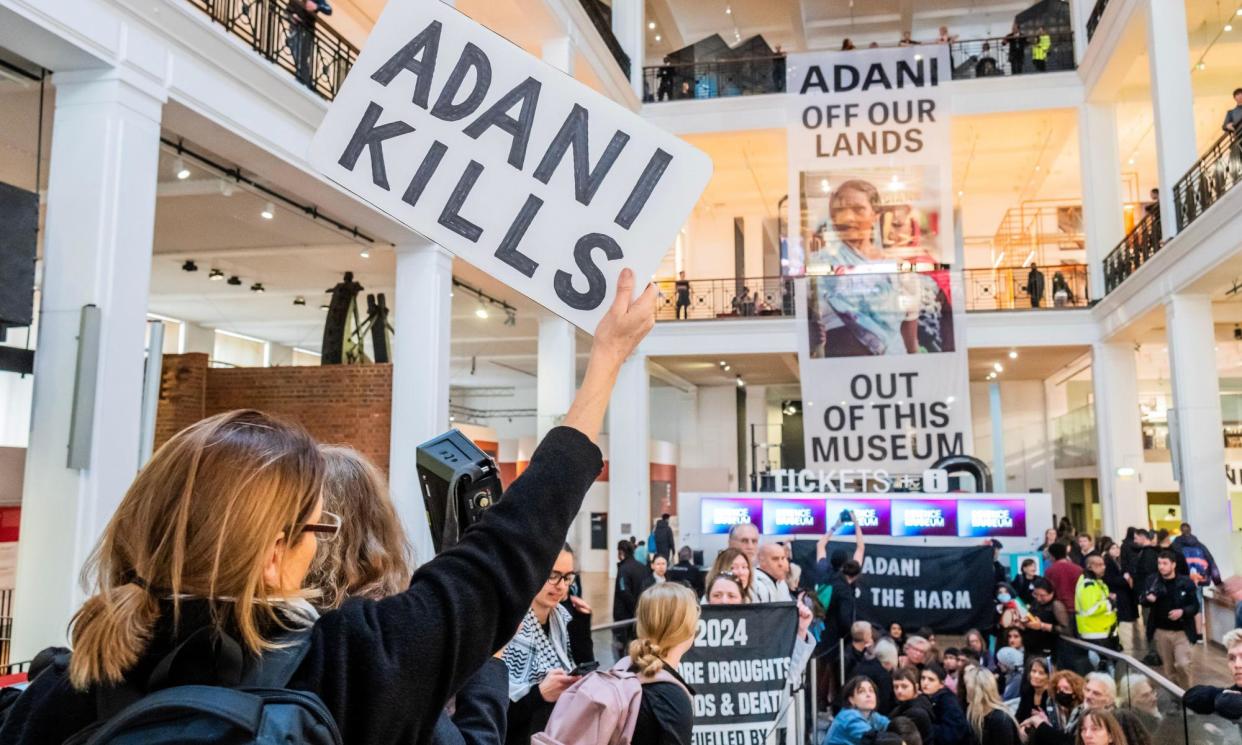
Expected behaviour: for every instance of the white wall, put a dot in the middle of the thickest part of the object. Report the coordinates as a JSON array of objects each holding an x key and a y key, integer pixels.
[
  {"x": 1028, "y": 457},
  {"x": 709, "y": 442}
]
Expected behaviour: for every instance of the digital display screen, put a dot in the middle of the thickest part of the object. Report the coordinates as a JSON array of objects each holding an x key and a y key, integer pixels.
[
  {"x": 875, "y": 515},
  {"x": 794, "y": 516},
  {"x": 719, "y": 514},
  {"x": 985, "y": 519},
  {"x": 923, "y": 517}
]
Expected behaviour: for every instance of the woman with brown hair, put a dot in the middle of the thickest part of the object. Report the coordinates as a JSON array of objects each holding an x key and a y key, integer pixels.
[
  {"x": 209, "y": 549},
  {"x": 734, "y": 562},
  {"x": 1100, "y": 728}
]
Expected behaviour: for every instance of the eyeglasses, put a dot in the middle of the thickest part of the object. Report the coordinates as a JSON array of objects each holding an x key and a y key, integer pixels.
[
  {"x": 555, "y": 578},
  {"x": 328, "y": 529}
]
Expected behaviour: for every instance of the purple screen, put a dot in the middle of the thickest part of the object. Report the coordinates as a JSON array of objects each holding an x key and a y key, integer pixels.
[
  {"x": 793, "y": 516},
  {"x": 986, "y": 519},
  {"x": 917, "y": 517},
  {"x": 719, "y": 515},
  {"x": 874, "y": 514}
]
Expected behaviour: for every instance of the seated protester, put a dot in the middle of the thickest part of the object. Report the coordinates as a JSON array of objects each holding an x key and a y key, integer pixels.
[
  {"x": 733, "y": 561},
  {"x": 978, "y": 648},
  {"x": 1203, "y": 699},
  {"x": 659, "y": 572},
  {"x": 878, "y": 666},
  {"x": 44, "y": 659},
  {"x": 1009, "y": 668},
  {"x": 949, "y": 725},
  {"x": 859, "y": 715},
  {"x": 1061, "y": 726},
  {"x": 861, "y": 642},
  {"x": 1035, "y": 696},
  {"x": 370, "y": 557},
  {"x": 906, "y": 730},
  {"x": 668, "y": 618},
  {"x": 685, "y": 571},
  {"x": 989, "y": 719},
  {"x": 910, "y": 704},
  {"x": 539, "y": 658},
  {"x": 918, "y": 652},
  {"x": 218, "y": 532},
  {"x": 1101, "y": 728}
]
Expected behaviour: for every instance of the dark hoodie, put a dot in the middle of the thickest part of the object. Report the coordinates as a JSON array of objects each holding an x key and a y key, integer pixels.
[
  {"x": 949, "y": 725},
  {"x": 919, "y": 711}
]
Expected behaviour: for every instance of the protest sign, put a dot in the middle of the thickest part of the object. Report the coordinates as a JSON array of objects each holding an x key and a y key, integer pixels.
[
  {"x": 883, "y": 367},
  {"x": 507, "y": 162},
  {"x": 739, "y": 668},
  {"x": 948, "y": 589}
]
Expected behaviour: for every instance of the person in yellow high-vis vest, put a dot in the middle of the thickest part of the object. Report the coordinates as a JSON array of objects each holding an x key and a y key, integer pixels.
[
  {"x": 1039, "y": 52},
  {"x": 1094, "y": 606}
]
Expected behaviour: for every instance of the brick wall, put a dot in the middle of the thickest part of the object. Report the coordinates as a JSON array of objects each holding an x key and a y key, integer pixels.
[{"x": 338, "y": 404}]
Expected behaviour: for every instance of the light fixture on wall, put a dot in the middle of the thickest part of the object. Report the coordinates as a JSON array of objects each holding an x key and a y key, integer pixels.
[
  {"x": 481, "y": 311},
  {"x": 180, "y": 169},
  {"x": 651, "y": 25},
  {"x": 215, "y": 274},
  {"x": 269, "y": 211}
]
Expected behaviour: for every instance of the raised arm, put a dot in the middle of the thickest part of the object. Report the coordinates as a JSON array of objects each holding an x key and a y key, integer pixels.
[
  {"x": 385, "y": 669},
  {"x": 860, "y": 547}
]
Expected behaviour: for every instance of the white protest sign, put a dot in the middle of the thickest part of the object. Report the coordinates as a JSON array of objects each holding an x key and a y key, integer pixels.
[{"x": 507, "y": 162}]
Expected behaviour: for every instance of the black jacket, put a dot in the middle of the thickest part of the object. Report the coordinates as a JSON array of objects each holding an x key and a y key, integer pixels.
[
  {"x": 665, "y": 716},
  {"x": 841, "y": 613},
  {"x": 479, "y": 711},
  {"x": 385, "y": 669},
  {"x": 883, "y": 679},
  {"x": 949, "y": 725},
  {"x": 664, "y": 540},
  {"x": 999, "y": 729},
  {"x": 1208, "y": 700},
  {"x": 919, "y": 711},
  {"x": 631, "y": 577},
  {"x": 1179, "y": 592},
  {"x": 687, "y": 573}
]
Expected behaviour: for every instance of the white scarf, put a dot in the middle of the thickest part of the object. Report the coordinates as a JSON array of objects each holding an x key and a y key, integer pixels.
[{"x": 532, "y": 653}]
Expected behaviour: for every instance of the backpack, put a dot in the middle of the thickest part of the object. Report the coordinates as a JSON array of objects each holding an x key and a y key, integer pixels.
[
  {"x": 600, "y": 709},
  {"x": 1198, "y": 564},
  {"x": 260, "y": 711}
]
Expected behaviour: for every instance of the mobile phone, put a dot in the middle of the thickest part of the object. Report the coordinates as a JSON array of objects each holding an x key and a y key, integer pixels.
[{"x": 584, "y": 668}]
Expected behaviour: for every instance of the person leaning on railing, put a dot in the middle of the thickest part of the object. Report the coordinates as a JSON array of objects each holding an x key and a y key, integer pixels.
[{"x": 1225, "y": 702}]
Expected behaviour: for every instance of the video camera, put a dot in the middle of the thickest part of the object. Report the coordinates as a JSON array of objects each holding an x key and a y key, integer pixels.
[{"x": 459, "y": 482}]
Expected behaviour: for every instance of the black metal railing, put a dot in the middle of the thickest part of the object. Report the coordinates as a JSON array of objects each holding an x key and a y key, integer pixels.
[
  {"x": 1058, "y": 286},
  {"x": 1019, "y": 55},
  {"x": 1135, "y": 249},
  {"x": 704, "y": 299},
  {"x": 600, "y": 16},
  {"x": 1216, "y": 172},
  {"x": 311, "y": 51},
  {"x": 714, "y": 79},
  {"x": 1093, "y": 21},
  {"x": 6, "y": 625}
]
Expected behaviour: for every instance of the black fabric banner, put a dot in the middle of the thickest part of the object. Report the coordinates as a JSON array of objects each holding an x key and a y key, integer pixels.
[
  {"x": 738, "y": 668},
  {"x": 949, "y": 589}
]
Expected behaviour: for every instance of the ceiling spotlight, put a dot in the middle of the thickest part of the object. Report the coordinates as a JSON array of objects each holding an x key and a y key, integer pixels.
[
  {"x": 728, "y": 10},
  {"x": 740, "y": 383},
  {"x": 189, "y": 266},
  {"x": 365, "y": 254},
  {"x": 1201, "y": 65},
  {"x": 226, "y": 189},
  {"x": 998, "y": 367},
  {"x": 215, "y": 274},
  {"x": 179, "y": 168},
  {"x": 1238, "y": 12},
  {"x": 1013, "y": 354},
  {"x": 256, "y": 287},
  {"x": 651, "y": 25},
  {"x": 723, "y": 363},
  {"x": 1228, "y": 27},
  {"x": 1132, "y": 161},
  {"x": 727, "y": 368},
  {"x": 269, "y": 211},
  {"x": 961, "y": 193},
  {"x": 481, "y": 311},
  {"x": 235, "y": 281},
  {"x": 324, "y": 307},
  {"x": 299, "y": 300},
  {"x": 824, "y": 186},
  {"x": 659, "y": 38},
  {"x": 510, "y": 318}
]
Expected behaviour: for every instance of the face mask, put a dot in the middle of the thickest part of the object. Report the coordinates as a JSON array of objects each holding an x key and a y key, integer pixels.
[
  {"x": 1003, "y": 597},
  {"x": 1066, "y": 700}
]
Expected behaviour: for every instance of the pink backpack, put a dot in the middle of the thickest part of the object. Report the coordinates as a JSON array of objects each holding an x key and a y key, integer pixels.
[{"x": 600, "y": 709}]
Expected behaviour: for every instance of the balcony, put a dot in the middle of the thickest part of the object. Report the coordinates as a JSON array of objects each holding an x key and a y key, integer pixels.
[
  {"x": 1216, "y": 172},
  {"x": 733, "y": 298},
  {"x": 315, "y": 54},
  {"x": 1139, "y": 245},
  {"x": 1006, "y": 288},
  {"x": 750, "y": 76}
]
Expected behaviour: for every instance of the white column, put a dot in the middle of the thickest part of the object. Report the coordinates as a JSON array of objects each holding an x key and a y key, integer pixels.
[
  {"x": 1119, "y": 436},
  {"x": 629, "y": 454},
  {"x": 1172, "y": 101},
  {"x": 1100, "y": 165},
  {"x": 1000, "y": 480},
  {"x": 420, "y": 375},
  {"x": 97, "y": 250},
  {"x": 556, "y": 372},
  {"x": 628, "y": 25},
  {"x": 1197, "y": 426},
  {"x": 1080, "y": 11}
]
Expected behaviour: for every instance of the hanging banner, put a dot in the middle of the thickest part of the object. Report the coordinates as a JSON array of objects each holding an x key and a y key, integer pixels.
[
  {"x": 507, "y": 162},
  {"x": 739, "y": 670},
  {"x": 949, "y": 589},
  {"x": 884, "y": 373}
]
